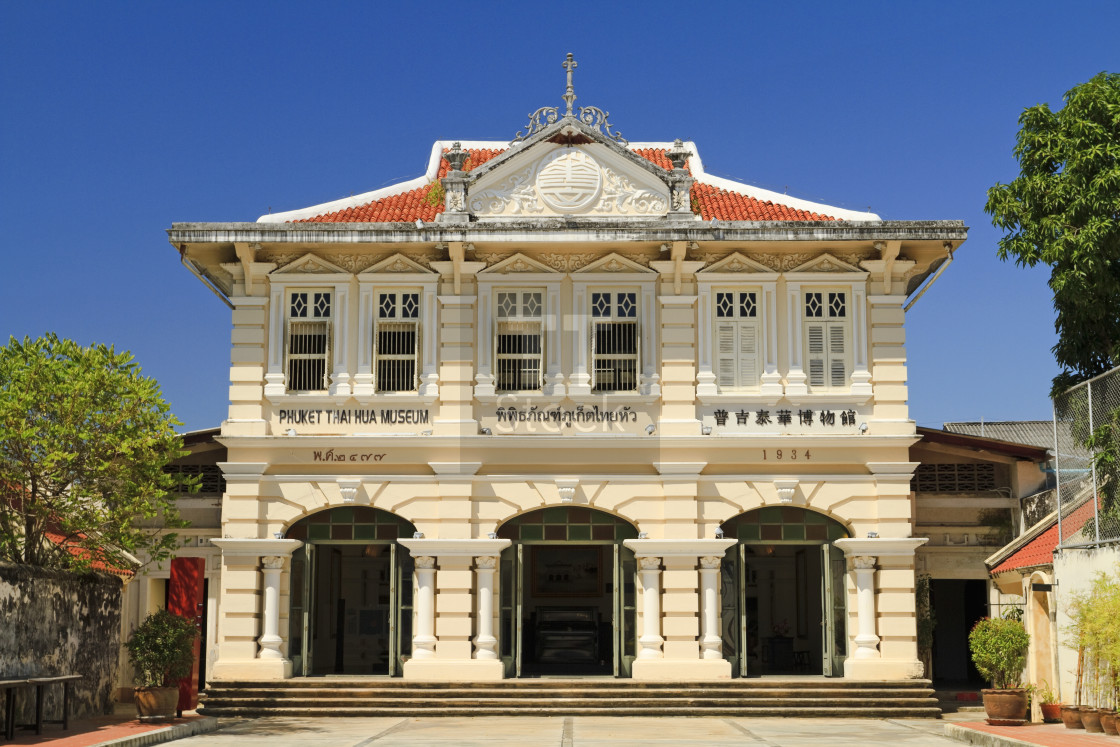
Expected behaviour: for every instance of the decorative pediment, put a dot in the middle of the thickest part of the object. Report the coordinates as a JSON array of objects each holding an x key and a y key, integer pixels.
[
  {"x": 398, "y": 263},
  {"x": 615, "y": 262},
  {"x": 310, "y": 264},
  {"x": 552, "y": 180},
  {"x": 518, "y": 263},
  {"x": 826, "y": 263},
  {"x": 736, "y": 262}
]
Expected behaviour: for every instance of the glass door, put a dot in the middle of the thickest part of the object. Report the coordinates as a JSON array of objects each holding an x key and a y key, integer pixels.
[
  {"x": 834, "y": 595},
  {"x": 624, "y": 621},
  {"x": 510, "y": 605}
]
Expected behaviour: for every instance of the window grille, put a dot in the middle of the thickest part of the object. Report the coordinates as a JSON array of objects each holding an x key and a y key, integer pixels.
[
  {"x": 737, "y": 340},
  {"x": 308, "y": 341},
  {"x": 614, "y": 342},
  {"x": 953, "y": 478},
  {"x": 519, "y": 341},
  {"x": 826, "y": 333},
  {"x": 397, "y": 342}
]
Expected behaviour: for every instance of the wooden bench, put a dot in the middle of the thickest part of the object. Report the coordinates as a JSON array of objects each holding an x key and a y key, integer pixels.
[{"x": 10, "y": 686}]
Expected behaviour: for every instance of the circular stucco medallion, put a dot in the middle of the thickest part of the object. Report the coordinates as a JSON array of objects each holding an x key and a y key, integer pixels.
[{"x": 570, "y": 181}]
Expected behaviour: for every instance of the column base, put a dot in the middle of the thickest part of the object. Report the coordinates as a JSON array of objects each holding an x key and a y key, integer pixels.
[
  {"x": 453, "y": 670},
  {"x": 252, "y": 669},
  {"x": 883, "y": 669},
  {"x": 694, "y": 670}
]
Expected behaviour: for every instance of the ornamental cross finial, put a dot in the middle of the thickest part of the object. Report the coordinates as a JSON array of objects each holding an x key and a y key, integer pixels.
[{"x": 570, "y": 94}]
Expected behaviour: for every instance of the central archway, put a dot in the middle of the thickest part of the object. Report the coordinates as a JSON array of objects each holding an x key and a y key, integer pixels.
[
  {"x": 783, "y": 593},
  {"x": 567, "y": 594},
  {"x": 351, "y": 593}
]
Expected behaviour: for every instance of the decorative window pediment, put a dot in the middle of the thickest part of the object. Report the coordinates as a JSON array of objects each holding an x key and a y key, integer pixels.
[
  {"x": 827, "y": 263},
  {"x": 310, "y": 264},
  {"x": 396, "y": 264},
  {"x": 615, "y": 262},
  {"x": 518, "y": 263},
  {"x": 551, "y": 180},
  {"x": 736, "y": 262}
]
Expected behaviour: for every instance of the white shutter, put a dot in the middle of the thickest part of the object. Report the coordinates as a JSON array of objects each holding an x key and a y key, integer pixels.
[
  {"x": 725, "y": 354},
  {"x": 837, "y": 356},
  {"x": 748, "y": 354},
  {"x": 815, "y": 335}
]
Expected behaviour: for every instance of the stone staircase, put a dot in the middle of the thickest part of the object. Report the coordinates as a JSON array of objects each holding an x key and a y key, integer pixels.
[{"x": 371, "y": 696}]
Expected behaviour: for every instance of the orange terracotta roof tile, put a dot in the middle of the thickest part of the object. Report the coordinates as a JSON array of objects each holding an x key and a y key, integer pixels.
[
  {"x": 708, "y": 201},
  {"x": 83, "y": 553},
  {"x": 1040, "y": 550}
]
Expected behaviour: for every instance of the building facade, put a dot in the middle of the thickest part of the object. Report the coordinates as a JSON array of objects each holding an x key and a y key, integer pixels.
[{"x": 567, "y": 405}]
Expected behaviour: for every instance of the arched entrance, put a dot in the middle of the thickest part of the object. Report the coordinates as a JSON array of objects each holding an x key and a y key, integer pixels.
[
  {"x": 567, "y": 594},
  {"x": 783, "y": 593},
  {"x": 351, "y": 593}
]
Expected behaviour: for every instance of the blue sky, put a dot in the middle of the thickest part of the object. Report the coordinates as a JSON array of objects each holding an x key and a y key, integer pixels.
[{"x": 119, "y": 119}]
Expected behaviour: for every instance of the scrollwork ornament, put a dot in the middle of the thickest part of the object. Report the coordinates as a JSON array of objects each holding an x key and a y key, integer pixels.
[
  {"x": 863, "y": 562},
  {"x": 425, "y": 562},
  {"x": 272, "y": 562},
  {"x": 485, "y": 562},
  {"x": 710, "y": 561},
  {"x": 649, "y": 563}
]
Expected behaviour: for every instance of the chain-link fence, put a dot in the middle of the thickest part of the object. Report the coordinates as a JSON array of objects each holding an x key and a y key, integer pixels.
[{"x": 1087, "y": 461}]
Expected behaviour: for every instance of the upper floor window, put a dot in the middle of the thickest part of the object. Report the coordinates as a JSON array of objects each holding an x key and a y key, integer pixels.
[
  {"x": 308, "y": 340},
  {"x": 737, "y": 338},
  {"x": 519, "y": 341},
  {"x": 614, "y": 342},
  {"x": 827, "y": 329},
  {"x": 397, "y": 341}
]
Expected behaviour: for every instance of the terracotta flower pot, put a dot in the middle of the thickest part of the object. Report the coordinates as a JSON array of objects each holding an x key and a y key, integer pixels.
[
  {"x": 1091, "y": 717},
  {"x": 1071, "y": 717},
  {"x": 1006, "y": 707},
  {"x": 1108, "y": 722},
  {"x": 156, "y": 703},
  {"x": 1051, "y": 712}
]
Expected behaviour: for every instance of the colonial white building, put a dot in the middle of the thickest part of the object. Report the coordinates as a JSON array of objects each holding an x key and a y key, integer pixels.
[{"x": 567, "y": 405}]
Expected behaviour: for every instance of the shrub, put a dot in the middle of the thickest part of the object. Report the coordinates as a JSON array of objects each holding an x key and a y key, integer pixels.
[
  {"x": 999, "y": 651},
  {"x": 161, "y": 649}
]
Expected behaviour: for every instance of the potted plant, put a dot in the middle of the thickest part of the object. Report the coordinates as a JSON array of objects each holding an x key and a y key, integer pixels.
[
  {"x": 1095, "y": 628},
  {"x": 1047, "y": 702},
  {"x": 999, "y": 650},
  {"x": 161, "y": 650}
]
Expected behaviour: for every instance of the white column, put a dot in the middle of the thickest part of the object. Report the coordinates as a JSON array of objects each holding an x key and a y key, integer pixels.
[
  {"x": 274, "y": 377},
  {"x": 340, "y": 376},
  {"x": 711, "y": 645},
  {"x": 771, "y": 380},
  {"x": 424, "y": 642},
  {"x": 484, "y": 378},
  {"x": 651, "y": 378},
  {"x": 580, "y": 381},
  {"x": 867, "y": 643},
  {"x": 554, "y": 322},
  {"x": 861, "y": 377},
  {"x": 270, "y": 640},
  {"x": 651, "y": 639},
  {"x": 705, "y": 375},
  {"x": 430, "y": 332},
  {"x": 795, "y": 378},
  {"x": 485, "y": 644},
  {"x": 363, "y": 379}
]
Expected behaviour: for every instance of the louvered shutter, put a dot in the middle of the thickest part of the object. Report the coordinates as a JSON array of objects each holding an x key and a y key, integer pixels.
[
  {"x": 726, "y": 360},
  {"x": 837, "y": 356},
  {"x": 817, "y": 358},
  {"x": 748, "y": 354}
]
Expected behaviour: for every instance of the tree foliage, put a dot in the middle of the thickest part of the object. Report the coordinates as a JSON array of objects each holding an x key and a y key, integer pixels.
[
  {"x": 84, "y": 439},
  {"x": 999, "y": 650},
  {"x": 1064, "y": 211}
]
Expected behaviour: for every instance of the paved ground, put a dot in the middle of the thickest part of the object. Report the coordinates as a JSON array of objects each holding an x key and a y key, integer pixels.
[{"x": 579, "y": 731}]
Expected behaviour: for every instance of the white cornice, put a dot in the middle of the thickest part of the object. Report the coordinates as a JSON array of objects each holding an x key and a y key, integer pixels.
[
  {"x": 461, "y": 548},
  {"x": 678, "y": 548}
]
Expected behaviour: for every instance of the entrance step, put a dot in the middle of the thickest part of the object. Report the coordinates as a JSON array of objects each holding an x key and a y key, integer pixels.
[{"x": 373, "y": 696}]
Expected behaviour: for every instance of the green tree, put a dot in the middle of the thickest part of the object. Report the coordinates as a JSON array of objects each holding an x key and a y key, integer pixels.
[
  {"x": 1064, "y": 211},
  {"x": 84, "y": 439}
]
